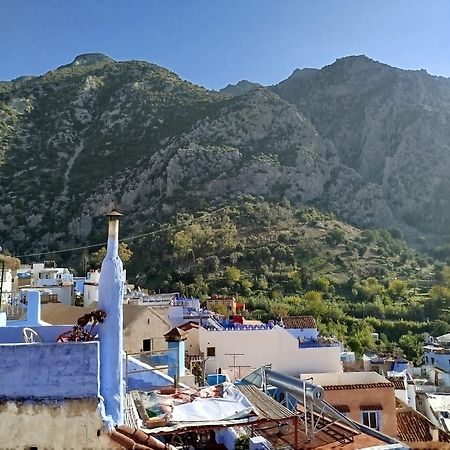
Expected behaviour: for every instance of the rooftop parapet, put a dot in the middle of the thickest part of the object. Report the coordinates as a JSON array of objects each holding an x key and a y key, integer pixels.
[{"x": 49, "y": 370}]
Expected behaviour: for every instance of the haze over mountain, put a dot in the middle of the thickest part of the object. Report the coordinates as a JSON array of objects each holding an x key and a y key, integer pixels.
[{"x": 363, "y": 140}]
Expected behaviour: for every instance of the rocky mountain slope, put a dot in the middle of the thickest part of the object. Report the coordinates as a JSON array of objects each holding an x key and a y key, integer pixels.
[
  {"x": 359, "y": 138},
  {"x": 392, "y": 127}
]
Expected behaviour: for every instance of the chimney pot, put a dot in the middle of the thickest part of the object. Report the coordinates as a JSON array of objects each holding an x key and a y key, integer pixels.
[{"x": 114, "y": 215}]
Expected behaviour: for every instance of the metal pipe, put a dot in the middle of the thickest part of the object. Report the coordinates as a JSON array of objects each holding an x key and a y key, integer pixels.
[
  {"x": 315, "y": 393},
  {"x": 294, "y": 385}
]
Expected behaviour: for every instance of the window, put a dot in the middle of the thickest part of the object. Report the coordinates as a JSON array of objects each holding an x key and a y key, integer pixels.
[
  {"x": 371, "y": 419},
  {"x": 210, "y": 351},
  {"x": 147, "y": 345}
]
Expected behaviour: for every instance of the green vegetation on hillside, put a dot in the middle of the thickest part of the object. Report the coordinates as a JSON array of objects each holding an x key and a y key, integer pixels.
[{"x": 282, "y": 261}]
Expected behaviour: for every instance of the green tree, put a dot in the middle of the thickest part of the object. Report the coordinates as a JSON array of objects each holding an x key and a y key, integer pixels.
[
  {"x": 397, "y": 289},
  {"x": 313, "y": 296},
  {"x": 182, "y": 244},
  {"x": 279, "y": 309},
  {"x": 212, "y": 263},
  {"x": 322, "y": 284},
  {"x": 95, "y": 259},
  {"x": 412, "y": 347},
  {"x": 232, "y": 274},
  {"x": 336, "y": 236}
]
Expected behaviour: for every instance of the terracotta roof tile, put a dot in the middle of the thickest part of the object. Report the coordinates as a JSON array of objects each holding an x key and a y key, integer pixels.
[
  {"x": 342, "y": 387},
  {"x": 133, "y": 438},
  {"x": 299, "y": 322},
  {"x": 188, "y": 325},
  {"x": 176, "y": 334},
  {"x": 412, "y": 426},
  {"x": 399, "y": 383}
]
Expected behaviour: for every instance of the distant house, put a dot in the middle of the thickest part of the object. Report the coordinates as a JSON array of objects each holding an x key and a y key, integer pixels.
[
  {"x": 436, "y": 407},
  {"x": 239, "y": 349},
  {"x": 90, "y": 287},
  {"x": 143, "y": 326},
  {"x": 55, "y": 283},
  {"x": 231, "y": 305},
  {"x": 7, "y": 284},
  {"x": 364, "y": 397},
  {"x": 302, "y": 327},
  {"x": 437, "y": 361}
]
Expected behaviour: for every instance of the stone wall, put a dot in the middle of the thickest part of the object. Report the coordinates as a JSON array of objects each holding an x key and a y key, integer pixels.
[{"x": 53, "y": 424}]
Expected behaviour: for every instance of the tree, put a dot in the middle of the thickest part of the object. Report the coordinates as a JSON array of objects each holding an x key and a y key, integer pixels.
[
  {"x": 313, "y": 296},
  {"x": 220, "y": 308},
  {"x": 95, "y": 259},
  {"x": 279, "y": 309},
  {"x": 336, "y": 236},
  {"x": 242, "y": 442},
  {"x": 397, "y": 289},
  {"x": 246, "y": 285},
  {"x": 443, "y": 275},
  {"x": 322, "y": 284},
  {"x": 232, "y": 274},
  {"x": 368, "y": 288},
  {"x": 182, "y": 244},
  {"x": 212, "y": 263},
  {"x": 412, "y": 347}
]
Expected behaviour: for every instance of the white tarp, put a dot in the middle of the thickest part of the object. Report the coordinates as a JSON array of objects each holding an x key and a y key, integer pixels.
[{"x": 232, "y": 405}]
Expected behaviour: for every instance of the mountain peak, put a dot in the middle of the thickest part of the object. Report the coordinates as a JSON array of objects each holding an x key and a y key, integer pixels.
[
  {"x": 357, "y": 63},
  {"x": 87, "y": 59},
  {"x": 242, "y": 87}
]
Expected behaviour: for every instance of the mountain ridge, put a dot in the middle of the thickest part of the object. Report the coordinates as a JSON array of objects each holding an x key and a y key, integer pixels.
[{"x": 87, "y": 137}]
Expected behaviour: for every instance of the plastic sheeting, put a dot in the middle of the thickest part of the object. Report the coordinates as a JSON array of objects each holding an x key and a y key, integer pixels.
[{"x": 233, "y": 405}]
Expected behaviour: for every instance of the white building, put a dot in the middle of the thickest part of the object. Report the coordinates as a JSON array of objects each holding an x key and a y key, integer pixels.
[
  {"x": 7, "y": 285},
  {"x": 55, "y": 283},
  {"x": 239, "y": 351},
  {"x": 90, "y": 287},
  {"x": 436, "y": 407}
]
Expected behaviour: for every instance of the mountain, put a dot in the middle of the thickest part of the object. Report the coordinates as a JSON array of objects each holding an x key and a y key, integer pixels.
[
  {"x": 391, "y": 127},
  {"x": 242, "y": 87},
  {"x": 363, "y": 140}
]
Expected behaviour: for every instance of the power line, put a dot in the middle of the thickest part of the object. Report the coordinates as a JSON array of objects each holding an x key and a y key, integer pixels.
[{"x": 130, "y": 238}]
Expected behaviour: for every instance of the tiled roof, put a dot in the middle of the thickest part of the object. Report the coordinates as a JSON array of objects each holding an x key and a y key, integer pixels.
[
  {"x": 414, "y": 427},
  {"x": 399, "y": 383},
  {"x": 133, "y": 438},
  {"x": 188, "y": 325},
  {"x": 343, "y": 387},
  {"x": 299, "y": 322},
  {"x": 176, "y": 334}
]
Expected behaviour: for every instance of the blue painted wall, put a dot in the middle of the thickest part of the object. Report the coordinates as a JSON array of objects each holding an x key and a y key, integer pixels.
[
  {"x": 439, "y": 360},
  {"x": 49, "y": 371},
  {"x": 175, "y": 358}
]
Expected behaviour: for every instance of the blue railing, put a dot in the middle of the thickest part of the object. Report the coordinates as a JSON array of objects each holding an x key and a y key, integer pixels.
[{"x": 317, "y": 344}]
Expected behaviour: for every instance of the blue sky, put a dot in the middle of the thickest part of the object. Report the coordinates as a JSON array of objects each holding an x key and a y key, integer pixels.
[{"x": 216, "y": 42}]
